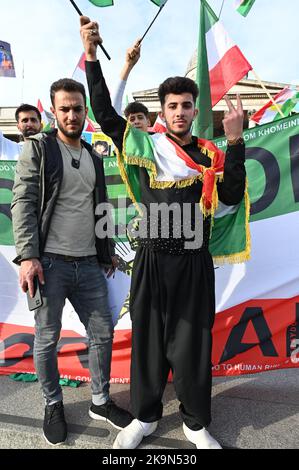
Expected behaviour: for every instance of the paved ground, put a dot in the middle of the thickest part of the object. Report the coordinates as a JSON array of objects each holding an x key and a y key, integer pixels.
[{"x": 251, "y": 412}]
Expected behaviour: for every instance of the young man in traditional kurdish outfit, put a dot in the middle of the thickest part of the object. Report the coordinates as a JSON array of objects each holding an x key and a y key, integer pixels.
[{"x": 172, "y": 302}]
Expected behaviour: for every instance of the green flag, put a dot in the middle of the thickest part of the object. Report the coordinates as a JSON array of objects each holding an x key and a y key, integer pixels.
[
  {"x": 102, "y": 3},
  {"x": 159, "y": 3},
  {"x": 203, "y": 124},
  {"x": 244, "y": 6}
]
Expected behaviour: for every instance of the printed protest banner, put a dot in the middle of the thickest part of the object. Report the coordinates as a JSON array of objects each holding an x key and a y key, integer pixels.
[{"x": 257, "y": 321}]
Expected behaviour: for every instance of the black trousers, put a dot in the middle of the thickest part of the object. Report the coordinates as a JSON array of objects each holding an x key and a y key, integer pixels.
[{"x": 172, "y": 309}]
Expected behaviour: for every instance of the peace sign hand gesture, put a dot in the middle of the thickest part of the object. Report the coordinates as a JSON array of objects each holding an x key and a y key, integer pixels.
[{"x": 233, "y": 119}]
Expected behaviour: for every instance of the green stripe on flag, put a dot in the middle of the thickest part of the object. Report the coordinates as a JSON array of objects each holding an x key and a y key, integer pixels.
[
  {"x": 287, "y": 107},
  {"x": 203, "y": 124},
  {"x": 245, "y": 7},
  {"x": 102, "y": 3},
  {"x": 159, "y": 3},
  {"x": 210, "y": 18},
  {"x": 232, "y": 226}
]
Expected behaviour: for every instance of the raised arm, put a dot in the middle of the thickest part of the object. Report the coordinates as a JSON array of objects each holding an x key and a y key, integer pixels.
[
  {"x": 111, "y": 123},
  {"x": 9, "y": 150},
  {"x": 132, "y": 57}
]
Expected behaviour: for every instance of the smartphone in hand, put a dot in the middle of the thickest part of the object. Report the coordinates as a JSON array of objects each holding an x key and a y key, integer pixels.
[{"x": 36, "y": 301}]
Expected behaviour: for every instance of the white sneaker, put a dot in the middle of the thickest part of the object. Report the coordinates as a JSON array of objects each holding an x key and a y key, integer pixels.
[
  {"x": 202, "y": 438},
  {"x": 131, "y": 436}
]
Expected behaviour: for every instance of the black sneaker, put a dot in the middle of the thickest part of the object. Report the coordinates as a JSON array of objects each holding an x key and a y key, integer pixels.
[
  {"x": 113, "y": 414},
  {"x": 55, "y": 428}
]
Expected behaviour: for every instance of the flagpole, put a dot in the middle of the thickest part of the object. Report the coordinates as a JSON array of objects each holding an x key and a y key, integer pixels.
[
  {"x": 22, "y": 88},
  {"x": 221, "y": 9},
  {"x": 268, "y": 94},
  {"x": 81, "y": 14},
  {"x": 160, "y": 9}
]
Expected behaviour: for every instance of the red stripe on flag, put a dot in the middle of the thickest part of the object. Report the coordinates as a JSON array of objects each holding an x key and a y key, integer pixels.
[
  {"x": 185, "y": 157},
  {"x": 40, "y": 106},
  {"x": 89, "y": 125},
  {"x": 159, "y": 128},
  {"x": 260, "y": 113},
  {"x": 229, "y": 70},
  {"x": 218, "y": 159},
  {"x": 81, "y": 63}
]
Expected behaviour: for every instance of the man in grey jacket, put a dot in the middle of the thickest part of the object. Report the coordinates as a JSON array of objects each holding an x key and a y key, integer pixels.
[{"x": 59, "y": 181}]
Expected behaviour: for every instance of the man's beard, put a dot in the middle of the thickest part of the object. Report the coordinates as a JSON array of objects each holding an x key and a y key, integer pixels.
[
  {"x": 71, "y": 134},
  {"x": 179, "y": 134},
  {"x": 29, "y": 132}
]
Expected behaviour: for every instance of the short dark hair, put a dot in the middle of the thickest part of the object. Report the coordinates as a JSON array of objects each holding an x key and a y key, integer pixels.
[
  {"x": 103, "y": 143},
  {"x": 136, "y": 107},
  {"x": 24, "y": 108},
  {"x": 177, "y": 86},
  {"x": 68, "y": 85}
]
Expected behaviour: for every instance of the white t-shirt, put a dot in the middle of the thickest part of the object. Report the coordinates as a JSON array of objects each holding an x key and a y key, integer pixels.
[
  {"x": 72, "y": 228},
  {"x": 9, "y": 150},
  {"x": 117, "y": 96}
]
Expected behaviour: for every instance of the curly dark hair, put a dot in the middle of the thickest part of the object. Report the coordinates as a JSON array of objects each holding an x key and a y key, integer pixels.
[
  {"x": 135, "y": 107},
  {"x": 177, "y": 86}
]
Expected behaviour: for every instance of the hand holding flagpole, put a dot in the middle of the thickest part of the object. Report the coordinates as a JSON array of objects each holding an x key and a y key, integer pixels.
[{"x": 81, "y": 14}]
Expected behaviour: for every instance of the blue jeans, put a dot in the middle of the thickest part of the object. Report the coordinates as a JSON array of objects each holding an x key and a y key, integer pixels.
[{"x": 84, "y": 284}]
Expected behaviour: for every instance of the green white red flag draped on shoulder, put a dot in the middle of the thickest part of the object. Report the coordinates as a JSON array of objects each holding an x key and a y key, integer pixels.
[
  {"x": 220, "y": 65},
  {"x": 244, "y": 6},
  {"x": 169, "y": 166}
]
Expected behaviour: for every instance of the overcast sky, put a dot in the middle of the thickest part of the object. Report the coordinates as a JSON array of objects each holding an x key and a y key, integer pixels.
[{"x": 46, "y": 38}]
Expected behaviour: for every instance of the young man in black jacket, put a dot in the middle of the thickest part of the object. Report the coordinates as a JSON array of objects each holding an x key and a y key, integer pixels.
[
  {"x": 59, "y": 182},
  {"x": 172, "y": 302}
]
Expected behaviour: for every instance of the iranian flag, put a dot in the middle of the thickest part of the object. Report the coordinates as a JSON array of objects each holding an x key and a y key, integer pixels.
[
  {"x": 287, "y": 101},
  {"x": 220, "y": 65},
  {"x": 244, "y": 6},
  {"x": 80, "y": 76},
  {"x": 46, "y": 121}
]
